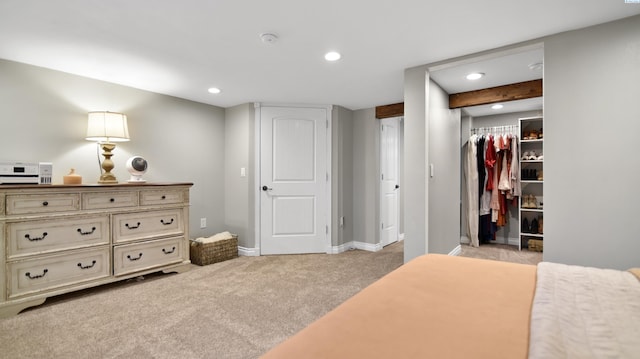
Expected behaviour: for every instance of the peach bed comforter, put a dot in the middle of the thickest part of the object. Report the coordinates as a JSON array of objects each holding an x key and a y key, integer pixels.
[
  {"x": 440, "y": 306},
  {"x": 435, "y": 306}
]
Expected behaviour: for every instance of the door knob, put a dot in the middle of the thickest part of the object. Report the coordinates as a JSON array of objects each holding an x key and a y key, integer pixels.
[
  {"x": 397, "y": 186},
  {"x": 265, "y": 188}
]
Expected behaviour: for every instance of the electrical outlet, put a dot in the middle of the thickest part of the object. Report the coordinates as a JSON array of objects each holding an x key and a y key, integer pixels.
[{"x": 203, "y": 223}]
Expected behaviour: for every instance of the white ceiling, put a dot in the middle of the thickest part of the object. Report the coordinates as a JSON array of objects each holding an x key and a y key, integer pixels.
[
  {"x": 512, "y": 66},
  {"x": 181, "y": 48}
]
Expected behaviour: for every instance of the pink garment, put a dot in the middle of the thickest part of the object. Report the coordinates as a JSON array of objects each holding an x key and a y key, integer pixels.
[
  {"x": 495, "y": 198},
  {"x": 504, "y": 183},
  {"x": 489, "y": 162}
]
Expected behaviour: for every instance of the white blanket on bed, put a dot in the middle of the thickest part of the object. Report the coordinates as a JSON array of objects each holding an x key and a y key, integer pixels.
[{"x": 582, "y": 312}]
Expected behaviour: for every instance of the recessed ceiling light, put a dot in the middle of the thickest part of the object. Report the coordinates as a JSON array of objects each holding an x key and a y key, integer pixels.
[
  {"x": 332, "y": 56},
  {"x": 497, "y": 106},
  {"x": 474, "y": 76},
  {"x": 214, "y": 90}
]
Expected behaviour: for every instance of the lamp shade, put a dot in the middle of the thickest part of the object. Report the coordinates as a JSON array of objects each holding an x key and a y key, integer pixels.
[{"x": 107, "y": 126}]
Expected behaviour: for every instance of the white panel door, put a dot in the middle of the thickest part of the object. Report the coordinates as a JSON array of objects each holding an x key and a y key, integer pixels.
[
  {"x": 294, "y": 183},
  {"x": 389, "y": 182}
]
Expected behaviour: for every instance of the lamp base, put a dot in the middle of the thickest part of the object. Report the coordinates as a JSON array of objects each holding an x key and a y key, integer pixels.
[
  {"x": 107, "y": 178},
  {"x": 107, "y": 165}
]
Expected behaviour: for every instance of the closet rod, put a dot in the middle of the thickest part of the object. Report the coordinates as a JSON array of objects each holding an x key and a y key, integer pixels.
[{"x": 496, "y": 130}]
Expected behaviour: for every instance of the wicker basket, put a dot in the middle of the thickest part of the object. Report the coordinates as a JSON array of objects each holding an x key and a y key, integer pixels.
[
  {"x": 218, "y": 251},
  {"x": 535, "y": 245}
]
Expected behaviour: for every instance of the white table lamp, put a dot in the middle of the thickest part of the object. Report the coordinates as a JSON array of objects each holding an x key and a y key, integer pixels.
[{"x": 106, "y": 128}]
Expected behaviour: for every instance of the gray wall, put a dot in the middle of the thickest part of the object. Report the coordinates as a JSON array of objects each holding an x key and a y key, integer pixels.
[
  {"x": 239, "y": 191},
  {"x": 432, "y": 136},
  {"x": 591, "y": 87},
  {"x": 43, "y": 117},
  {"x": 365, "y": 143},
  {"x": 342, "y": 176},
  {"x": 592, "y": 122},
  {"x": 401, "y": 177},
  {"x": 415, "y": 161},
  {"x": 444, "y": 185},
  {"x": 365, "y": 176}
]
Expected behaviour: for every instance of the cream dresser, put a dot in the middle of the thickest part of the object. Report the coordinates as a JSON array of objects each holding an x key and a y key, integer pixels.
[{"x": 60, "y": 238}]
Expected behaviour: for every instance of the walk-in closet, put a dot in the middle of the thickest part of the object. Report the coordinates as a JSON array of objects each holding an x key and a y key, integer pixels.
[
  {"x": 502, "y": 176},
  {"x": 500, "y": 98}
]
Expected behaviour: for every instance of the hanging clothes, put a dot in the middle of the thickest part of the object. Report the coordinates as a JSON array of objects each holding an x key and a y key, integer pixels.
[
  {"x": 489, "y": 162},
  {"x": 504, "y": 183},
  {"x": 471, "y": 176},
  {"x": 492, "y": 175},
  {"x": 482, "y": 173},
  {"x": 516, "y": 189},
  {"x": 485, "y": 198},
  {"x": 495, "y": 192}
]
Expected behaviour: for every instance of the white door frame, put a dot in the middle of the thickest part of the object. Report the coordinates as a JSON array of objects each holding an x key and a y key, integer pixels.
[
  {"x": 381, "y": 188},
  {"x": 257, "y": 170}
]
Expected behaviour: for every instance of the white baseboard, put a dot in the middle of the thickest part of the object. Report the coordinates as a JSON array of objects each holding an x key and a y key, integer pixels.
[
  {"x": 400, "y": 237},
  {"x": 368, "y": 246},
  {"x": 254, "y": 252},
  {"x": 248, "y": 252},
  {"x": 355, "y": 245},
  {"x": 456, "y": 251},
  {"x": 341, "y": 248}
]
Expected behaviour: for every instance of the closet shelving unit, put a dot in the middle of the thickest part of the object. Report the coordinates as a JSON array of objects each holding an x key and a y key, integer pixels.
[{"x": 532, "y": 180}]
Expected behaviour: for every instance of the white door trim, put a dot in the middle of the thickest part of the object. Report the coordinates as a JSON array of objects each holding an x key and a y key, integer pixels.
[
  {"x": 381, "y": 189},
  {"x": 257, "y": 169}
]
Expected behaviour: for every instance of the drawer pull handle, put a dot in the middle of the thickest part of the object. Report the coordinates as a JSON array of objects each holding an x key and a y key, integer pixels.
[
  {"x": 28, "y": 274},
  {"x": 87, "y": 267},
  {"x": 163, "y": 197},
  {"x": 45, "y": 203},
  {"x": 173, "y": 249},
  {"x": 35, "y": 238},
  {"x": 166, "y": 223},
  {"x": 112, "y": 200},
  {"x": 93, "y": 229},
  {"x": 132, "y": 227},
  {"x": 134, "y": 259}
]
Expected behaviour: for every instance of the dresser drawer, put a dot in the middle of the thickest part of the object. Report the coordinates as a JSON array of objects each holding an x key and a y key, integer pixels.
[
  {"x": 102, "y": 200},
  {"x": 145, "y": 225},
  {"x": 161, "y": 197},
  {"x": 135, "y": 257},
  {"x": 42, "y": 203},
  {"x": 35, "y": 237},
  {"x": 45, "y": 273}
]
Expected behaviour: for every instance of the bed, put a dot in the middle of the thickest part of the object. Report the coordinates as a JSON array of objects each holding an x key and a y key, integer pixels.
[{"x": 439, "y": 306}]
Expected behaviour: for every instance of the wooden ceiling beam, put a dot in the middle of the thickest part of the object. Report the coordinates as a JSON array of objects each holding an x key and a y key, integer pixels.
[
  {"x": 512, "y": 92},
  {"x": 386, "y": 111}
]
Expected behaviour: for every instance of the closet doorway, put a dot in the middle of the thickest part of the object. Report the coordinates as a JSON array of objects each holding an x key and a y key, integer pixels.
[{"x": 502, "y": 68}]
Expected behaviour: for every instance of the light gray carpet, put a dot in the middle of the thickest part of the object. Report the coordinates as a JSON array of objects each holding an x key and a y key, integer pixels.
[
  {"x": 235, "y": 309},
  {"x": 502, "y": 252}
]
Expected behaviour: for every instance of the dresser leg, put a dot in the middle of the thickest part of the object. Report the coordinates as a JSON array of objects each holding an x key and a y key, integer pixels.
[
  {"x": 180, "y": 268},
  {"x": 11, "y": 309}
]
